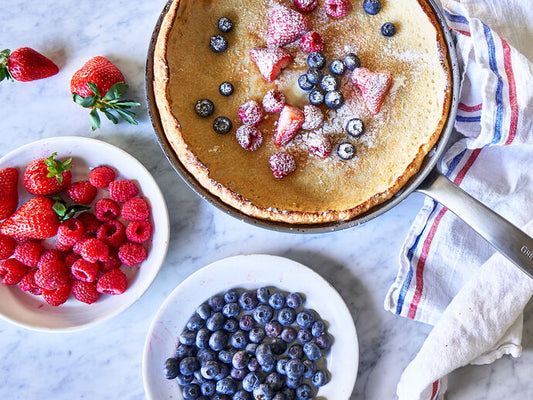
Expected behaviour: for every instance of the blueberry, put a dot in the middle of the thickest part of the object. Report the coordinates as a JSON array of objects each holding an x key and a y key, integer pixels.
[
  {"x": 251, "y": 347},
  {"x": 280, "y": 366},
  {"x": 334, "y": 99},
  {"x": 253, "y": 365},
  {"x": 231, "y": 325},
  {"x": 222, "y": 125},
  {"x": 215, "y": 322},
  {"x": 238, "y": 374},
  {"x": 195, "y": 323},
  {"x": 275, "y": 380},
  {"x": 309, "y": 368},
  {"x": 304, "y": 336},
  {"x": 318, "y": 328},
  {"x": 295, "y": 351},
  {"x": 316, "y": 60},
  {"x": 218, "y": 43},
  {"x": 316, "y": 97},
  {"x": 337, "y": 67},
  {"x": 239, "y": 340},
  {"x": 314, "y": 75},
  {"x": 279, "y": 396},
  {"x": 208, "y": 388},
  {"x": 388, "y": 29},
  {"x": 226, "y": 89},
  {"x": 289, "y": 334},
  {"x": 218, "y": 340},
  {"x": 205, "y": 355},
  {"x": 372, "y": 7},
  {"x": 204, "y": 108},
  {"x": 290, "y": 394},
  {"x": 346, "y": 151},
  {"x": 248, "y": 300},
  {"x": 273, "y": 329},
  {"x": 191, "y": 392},
  {"x": 188, "y": 365},
  {"x": 294, "y": 300},
  {"x": 323, "y": 341},
  {"x": 286, "y": 316},
  {"x": 305, "y": 319},
  {"x": 224, "y": 24},
  {"x": 256, "y": 335},
  {"x": 355, "y": 127},
  {"x": 184, "y": 380},
  {"x": 312, "y": 351},
  {"x": 232, "y": 295},
  {"x": 172, "y": 368},
  {"x": 352, "y": 61},
  {"x": 329, "y": 82},
  {"x": 242, "y": 395},
  {"x": 187, "y": 337},
  {"x": 305, "y": 83},
  {"x": 183, "y": 351},
  {"x": 216, "y": 302},
  {"x": 252, "y": 380},
  {"x": 240, "y": 359},
  {"x": 224, "y": 371},
  {"x": 278, "y": 346},
  {"x": 263, "y": 294},
  {"x": 226, "y": 386},
  {"x": 246, "y": 322},
  {"x": 277, "y": 300},
  {"x": 226, "y": 356},
  {"x": 265, "y": 358},
  {"x": 202, "y": 338},
  {"x": 263, "y": 314},
  {"x": 231, "y": 310},
  {"x": 293, "y": 383},
  {"x": 263, "y": 391},
  {"x": 304, "y": 392},
  {"x": 319, "y": 378},
  {"x": 219, "y": 396},
  {"x": 294, "y": 368}
]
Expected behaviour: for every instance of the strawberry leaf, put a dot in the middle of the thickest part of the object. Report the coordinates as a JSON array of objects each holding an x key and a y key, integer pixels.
[
  {"x": 110, "y": 116},
  {"x": 72, "y": 210},
  {"x": 94, "y": 88},
  {"x": 4, "y": 70},
  {"x": 59, "y": 208},
  {"x": 95, "y": 119},
  {"x": 127, "y": 115},
  {"x": 87, "y": 102},
  {"x": 116, "y": 91},
  {"x": 57, "y": 168}
]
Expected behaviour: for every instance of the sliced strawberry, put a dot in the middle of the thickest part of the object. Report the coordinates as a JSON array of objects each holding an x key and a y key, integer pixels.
[
  {"x": 8, "y": 192},
  {"x": 374, "y": 87},
  {"x": 35, "y": 219},
  {"x": 286, "y": 26},
  {"x": 270, "y": 61},
  {"x": 290, "y": 121}
]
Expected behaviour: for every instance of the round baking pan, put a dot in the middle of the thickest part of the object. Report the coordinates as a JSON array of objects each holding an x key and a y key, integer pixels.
[{"x": 504, "y": 236}]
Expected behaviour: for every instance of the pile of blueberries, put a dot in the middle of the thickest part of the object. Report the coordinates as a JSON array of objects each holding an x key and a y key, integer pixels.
[{"x": 251, "y": 345}]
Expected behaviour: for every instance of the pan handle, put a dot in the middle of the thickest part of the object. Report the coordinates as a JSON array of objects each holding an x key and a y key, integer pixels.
[{"x": 509, "y": 240}]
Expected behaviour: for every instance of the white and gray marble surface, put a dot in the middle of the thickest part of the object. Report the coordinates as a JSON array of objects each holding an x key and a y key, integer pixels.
[{"x": 104, "y": 361}]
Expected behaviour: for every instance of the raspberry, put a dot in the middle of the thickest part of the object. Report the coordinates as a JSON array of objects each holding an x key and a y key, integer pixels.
[
  {"x": 273, "y": 101},
  {"x": 131, "y": 253},
  {"x": 319, "y": 145},
  {"x": 28, "y": 253},
  {"x": 82, "y": 192},
  {"x": 337, "y": 8},
  {"x": 50, "y": 255},
  {"x": 71, "y": 259},
  {"x": 106, "y": 210},
  {"x": 249, "y": 137},
  {"x": 12, "y": 271},
  {"x": 135, "y": 209},
  {"x": 251, "y": 113},
  {"x": 52, "y": 275},
  {"x": 89, "y": 221},
  {"x": 69, "y": 232},
  {"x": 84, "y": 270},
  {"x": 7, "y": 246},
  {"x": 282, "y": 164},
  {"x": 101, "y": 176},
  {"x": 94, "y": 250},
  {"x": 311, "y": 42},
  {"x": 78, "y": 245},
  {"x": 305, "y": 5},
  {"x": 139, "y": 231},
  {"x": 27, "y": 283},
  {"x": 314, "y": 118},
  {"x": 112, "y": 282},
  {"x": 112, "y": 233},
  {"x": 56, "y": 297},
  {"x": 112, "y": 262},
  {"x": 122, "y": 191},
  {"x": 85, "y": 291}
]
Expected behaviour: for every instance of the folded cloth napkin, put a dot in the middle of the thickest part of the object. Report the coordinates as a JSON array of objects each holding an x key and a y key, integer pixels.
[{"x": 442, "y": 258}]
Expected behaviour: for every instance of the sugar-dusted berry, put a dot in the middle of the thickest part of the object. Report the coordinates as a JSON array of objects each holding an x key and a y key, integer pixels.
[
  {"x": 270, "y": 61},
  {"x": 372, "y": 7},
  {"x": 84, "y": 270},
  {"x": 106, "y": 210},
  {"x": 85, "y": 291},
  {"x": 224, "y": 24},
  {"x": 316, "y": 97},
  {"x": 28, "y": 284},
  {"x": 337, "y": 66},
  {"x": 305, "y": 5},
  {"x": 113, "y": 282},
  {"x": 351, "y": 61},
  {"x": 319, "y": 145},
  {"x": 290, "y": 121},
  {"x": 312, "y": 42},
  {"x": 305, "y": 83},
  {"x": 249, "y": 137},
  {"x": 337, "y": 8},
  {"x": 388, "y": 29},
  {"x": 282, "y": 164},
  {"x": 139, "y": 231},
  {"x": 316, "y": 60},
  {"x": 7, "y": 246},
  {"x": 218, "y": 43},
  {"x": 285, "y": 26},
  {"x": 251, "y": 113},
  {"x": 131, "y": 253},
  {"x": 313, "y": 117},
  {"x": 122, "y": 190},
  {"x": 28, "y": 253},
  {"x": 329, "y": 82},
  {"x": 12, "y": 271},
  {"x": 355, "y": 127},
  {"x": 334, "y": 99},
  {"x": 346, "y": 151},
  {"x": 222, "y": 125},
  {"x": 226, "y": 89},
  {"x": 273, "y": 101}
]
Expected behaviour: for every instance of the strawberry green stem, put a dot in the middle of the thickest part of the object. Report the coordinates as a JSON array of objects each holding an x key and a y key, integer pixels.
[{"x": 4, "y": 69}]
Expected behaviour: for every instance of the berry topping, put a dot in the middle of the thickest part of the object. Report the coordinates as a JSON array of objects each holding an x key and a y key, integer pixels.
[
  {"x": 282, "y": 164},
  {"x": 138, "y": 231},
  {"x": 314, "y": 118},
  {"x": 319, "y": 145},
  {"x": 89, "y": 221},
  {"x": 218, "y": 43},
  {"x": 101, "y": 176},
  {"x": 50, "y": 255},
  {"x": 273, "y": 101},
  {"x": 270, "y": 61},
  {"x": 314, "y": 75},
  {"x": 82, "y": 192},
  {"x": 28, "y": 253},
  {"x": 388, "y": 29},
  {"x": 70, "y": 232},
  {"x": 25, "y": 64},
  {"x": 226, "y": 89},
  {"x": 46, "y": 176},
  {"x": 352, "y": 61},
  {"x": 251, "y": 113},
  {"x": 122, "y": 191},
  {"x": 204, "y": 108},
  {"x": 337, "y": 8},
  {"x": 106, "y": 210},
  {"x": 346, "y": 151},
  {"x": 84, "y": 270},
  {"x": 249, "y": 137},
  {"x": 85, "y": 291},
  {"x": 305, "y": 83},
  {"x": 316, "y": 60},
  {"x": 224, "y": 24},
  {"x": 52, "y": 275},
  {"x": 112, "y": 233},
  {"x": 113, "y": 282},
  {"x": 334, "y": 99},
  {"x": 285, "y": 26},
  {"x": 290, "y": 121},
  {"x": 56, "y": 297},
  {"x": 7, "y": 246},
  {"x": 305, "y": 5},
  {"x": 8, "y": 192},
  {"x": 316, "y": 97},
  {"x": 132, "y": 253},
  {"x": 329, "y": 82},
  {"x": 27, "y": 283},
  {"x": 12, "y": 271},
  {"x": 374, "y": 87},
  {"x": 94, "y": 250},
  {"x": 222, "y": 125},
  {"x": 372, "y": 7},
  {"x": 312, "y": 42},
  {"x": 135, "y": 209},
  {"x": 355, "y": 127},
  {"x": 337, "y": 67}
]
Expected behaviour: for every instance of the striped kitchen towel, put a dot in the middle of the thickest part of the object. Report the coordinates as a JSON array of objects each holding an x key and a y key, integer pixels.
[{"x": 441, "y": 258}]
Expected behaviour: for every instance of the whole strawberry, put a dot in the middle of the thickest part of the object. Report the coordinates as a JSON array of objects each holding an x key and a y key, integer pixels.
[
  {"x": 46, "y": 176},
  {"x": 8, "y": 192},
  {"x": 25, "y": 64},
  {"x": 99, "y": 85}
]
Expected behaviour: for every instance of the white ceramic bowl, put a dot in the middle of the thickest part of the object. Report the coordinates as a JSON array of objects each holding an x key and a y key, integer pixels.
[
  {"x": 252, "y": 272},
  {"x": 32, "y": 311}
]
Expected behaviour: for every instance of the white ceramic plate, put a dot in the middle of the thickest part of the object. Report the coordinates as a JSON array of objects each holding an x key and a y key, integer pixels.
[
  {"x": 251, "y": 272},
  {"x": 32, "y": 311}
]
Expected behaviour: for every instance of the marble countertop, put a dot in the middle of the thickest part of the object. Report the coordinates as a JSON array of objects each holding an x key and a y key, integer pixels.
[{"x": 104, "y": 361}]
